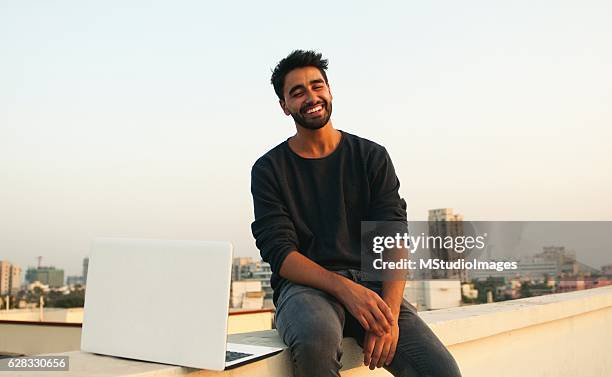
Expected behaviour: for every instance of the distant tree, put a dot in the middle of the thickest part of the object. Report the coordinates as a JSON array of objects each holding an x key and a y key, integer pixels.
[
  {"x": 485, "y": 286},
  {"x": 526, "y": 289},
  {"x": 75, "y": 299},
  {"x": 469, "y": 300}
]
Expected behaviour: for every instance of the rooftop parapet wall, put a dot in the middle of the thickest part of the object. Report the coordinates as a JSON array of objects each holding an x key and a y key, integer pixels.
[{"x": 562, "y": 335}]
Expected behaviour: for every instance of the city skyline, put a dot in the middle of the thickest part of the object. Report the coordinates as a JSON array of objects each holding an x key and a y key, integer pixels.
[
  {"x": 505, "y": 241},
  {"x": 148, "y": 129}
]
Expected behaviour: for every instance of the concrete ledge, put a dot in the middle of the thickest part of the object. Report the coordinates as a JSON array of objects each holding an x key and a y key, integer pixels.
[
  {"x": 467, "y": 323},
  {"x": 454, "y": 326}
]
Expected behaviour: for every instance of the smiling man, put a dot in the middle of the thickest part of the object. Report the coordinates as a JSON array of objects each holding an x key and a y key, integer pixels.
[{"x": 310, "y": 194}]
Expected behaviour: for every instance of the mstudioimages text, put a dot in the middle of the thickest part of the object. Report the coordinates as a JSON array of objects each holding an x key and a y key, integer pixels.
[
  {"x": 439, "y": 264},
  {"x": 458, "y": 244}
]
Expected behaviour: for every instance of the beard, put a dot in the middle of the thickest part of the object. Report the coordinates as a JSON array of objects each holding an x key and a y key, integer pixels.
[{"x": 313, "y": 123}]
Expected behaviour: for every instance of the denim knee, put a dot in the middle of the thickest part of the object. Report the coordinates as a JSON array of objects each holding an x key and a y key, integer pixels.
[
  {"x": 316, "y": 350},
  {"x": 312, "y": 326}
]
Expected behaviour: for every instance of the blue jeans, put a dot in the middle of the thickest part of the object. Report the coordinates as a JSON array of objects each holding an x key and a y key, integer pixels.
[{"x": 313, "y": 323}]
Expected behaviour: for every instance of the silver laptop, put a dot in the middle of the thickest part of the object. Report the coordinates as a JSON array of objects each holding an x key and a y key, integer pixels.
[{"x": 162, "y": 301}]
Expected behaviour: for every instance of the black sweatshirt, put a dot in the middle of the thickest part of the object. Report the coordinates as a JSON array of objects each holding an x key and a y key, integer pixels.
[{"x": 316, "y": 205}]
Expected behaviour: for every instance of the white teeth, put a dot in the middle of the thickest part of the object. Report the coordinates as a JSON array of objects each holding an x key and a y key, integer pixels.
[{"x": 314, "y": 109}]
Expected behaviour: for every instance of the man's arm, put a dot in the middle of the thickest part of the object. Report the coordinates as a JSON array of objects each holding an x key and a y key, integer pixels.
[
  {"x": 377, "y": 349},
  {"x": 364, "y": 304},
  {"x": 388, "y": 206},
  {"x": 393, "y": 294}
]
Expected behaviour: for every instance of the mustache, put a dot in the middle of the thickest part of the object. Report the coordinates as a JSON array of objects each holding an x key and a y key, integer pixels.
[{"x": 309, "y": 105}]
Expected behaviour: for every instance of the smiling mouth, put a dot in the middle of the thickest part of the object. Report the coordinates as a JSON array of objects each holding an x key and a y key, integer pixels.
[{"x": 315, "y": 110}]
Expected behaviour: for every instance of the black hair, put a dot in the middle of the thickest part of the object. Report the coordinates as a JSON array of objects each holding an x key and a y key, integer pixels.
[{"x": 297, "y": 59}]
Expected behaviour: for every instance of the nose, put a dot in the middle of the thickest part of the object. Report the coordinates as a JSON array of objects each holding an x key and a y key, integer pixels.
[{"x": 310, "y": 96}]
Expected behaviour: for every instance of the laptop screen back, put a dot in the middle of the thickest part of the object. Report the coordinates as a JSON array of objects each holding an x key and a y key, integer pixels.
[{"x": 158, "y": 300}]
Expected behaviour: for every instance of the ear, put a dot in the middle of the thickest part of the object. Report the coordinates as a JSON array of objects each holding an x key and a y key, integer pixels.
[
  {"x": 283, "y": 106},
  {"x": 330, "y": 93}
]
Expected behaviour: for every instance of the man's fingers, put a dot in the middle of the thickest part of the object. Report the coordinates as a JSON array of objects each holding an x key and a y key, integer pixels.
[
  {"x": 391, "y": 353},
  {"x": 384, "y": 354},
  {"x": 381, "y": 319},
  {"x": 364, "y": 323},
  {"x": 378, "y": 347},
  {"x": 386, "y": 310},
  {"x": 373, "y": 323},
  {"x": 368, "y": 347}
]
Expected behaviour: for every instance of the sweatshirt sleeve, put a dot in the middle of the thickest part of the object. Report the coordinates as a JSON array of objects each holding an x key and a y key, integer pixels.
[
  {"x": 386, "y": 204},
  {"x": 273, "y": 229}
]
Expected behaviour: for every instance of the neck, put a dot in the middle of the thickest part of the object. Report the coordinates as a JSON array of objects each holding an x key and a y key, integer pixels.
[{"x": 315, "y": 143}]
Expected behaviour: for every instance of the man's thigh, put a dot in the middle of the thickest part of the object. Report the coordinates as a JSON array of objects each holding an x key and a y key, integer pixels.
[{"x": 305, "y": 314}]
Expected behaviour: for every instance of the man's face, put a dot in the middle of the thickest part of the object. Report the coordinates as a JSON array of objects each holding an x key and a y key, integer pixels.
[{"x": 307, "y": 98}]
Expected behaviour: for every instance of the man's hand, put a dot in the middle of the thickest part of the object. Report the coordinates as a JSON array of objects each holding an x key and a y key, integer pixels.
[
  {"x": 372, "y": 312},
  {"x": 367, "y": 307},
  {"x": 379, "y": 350}
]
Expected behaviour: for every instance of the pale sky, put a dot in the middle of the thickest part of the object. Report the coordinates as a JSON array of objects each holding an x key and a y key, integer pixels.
[{"x": 144, "y": 120}]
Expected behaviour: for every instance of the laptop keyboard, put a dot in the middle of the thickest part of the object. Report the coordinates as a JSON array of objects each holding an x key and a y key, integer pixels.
[{"x": 231, "y": 356}]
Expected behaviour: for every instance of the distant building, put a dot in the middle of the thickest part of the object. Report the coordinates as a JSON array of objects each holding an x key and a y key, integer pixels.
[
  {"x": 443, "y": 214},
  {"x": 557, "y": 253},
  {"x": 554, "y": 263},
  {"x": 241, "y": 268},
  {"x": 10, "y": 278},
  {"x": 253, "y": 300},
  {"x": 538, "y": 269},
  {"x": 433, "y": 294},
  {"x": 468, "y": 291},
  {"x": 571, "y": 284},
  {"x": 46, "y": 275},
  {"x": 442, "y": 222},
  {"x": 578, "y": 283},
  {"x": 528, "y": 268},
  {"x": 262, "y": 272},
  {"x": 245, "y": 268},
  {"x": 565, "y": 260},
  {"x": 75, "y": 280},
  {"x": 38, "y": 284},
  {"x": 484, "y": 274},
  {"x": 246, "y": 294},
  {"x": 85, "y": 269},
  {"x": 510, "y": 290},
  {"x": 5, "y": 274}
]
